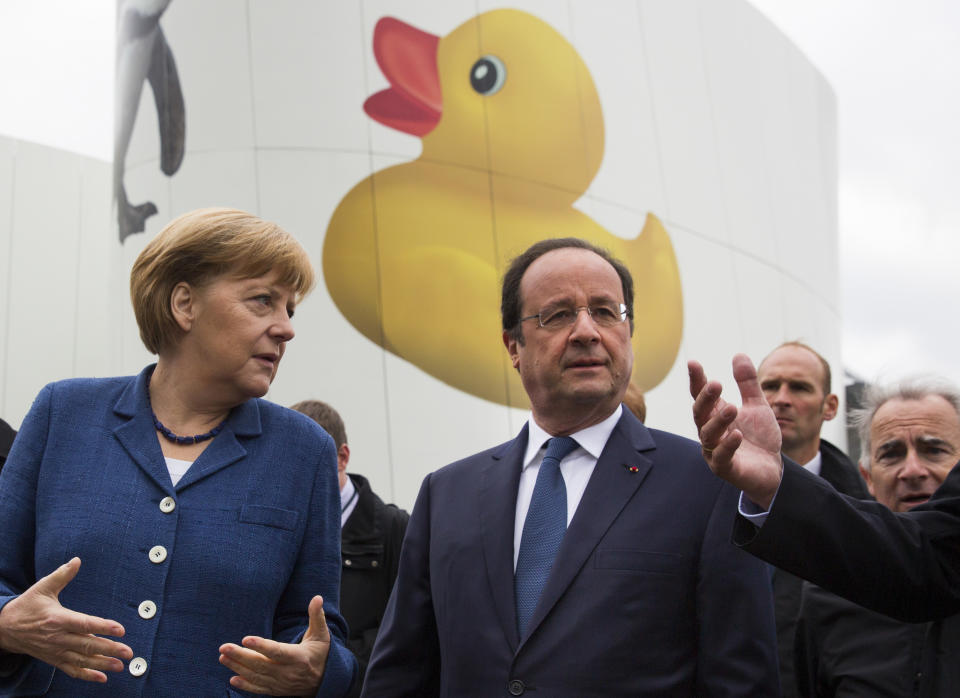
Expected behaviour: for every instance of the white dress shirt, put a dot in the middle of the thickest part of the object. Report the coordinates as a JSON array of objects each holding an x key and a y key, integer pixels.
[
  {"x": 348, "y": 501},
  {"x": 177, "y": 468},
  {"x": 813, "y": 465},
  {"x": 576, "y": 468}
]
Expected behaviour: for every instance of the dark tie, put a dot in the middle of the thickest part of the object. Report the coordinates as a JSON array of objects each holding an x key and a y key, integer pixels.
[{"x": 543, "y": 530}]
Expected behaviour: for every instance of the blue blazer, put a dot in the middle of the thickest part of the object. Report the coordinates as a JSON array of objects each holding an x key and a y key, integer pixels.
[
  {"x": 647, "y": 595},
  {"x": 253, "y": 536}
]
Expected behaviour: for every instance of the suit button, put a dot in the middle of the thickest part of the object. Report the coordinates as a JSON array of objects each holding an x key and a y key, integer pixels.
[
  {"x": 167, "y": 504},
  {"x": 516, "y": 687},
  {"x": 158, "y": 554},
  {"x": 348, "y": 563},
  {"x": 138, "y": 666},
  {"x": 147, "y": 610}
]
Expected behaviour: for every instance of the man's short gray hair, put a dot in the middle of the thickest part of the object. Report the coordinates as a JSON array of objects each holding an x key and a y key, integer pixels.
[{"x": 914, "y": 388}]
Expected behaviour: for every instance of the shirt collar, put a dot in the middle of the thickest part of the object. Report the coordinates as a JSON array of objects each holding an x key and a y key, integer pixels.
[
  {"x": 347, "y": 494},
  {"x": 814, "y": 464},
  {"x": 592, "y": 439}
]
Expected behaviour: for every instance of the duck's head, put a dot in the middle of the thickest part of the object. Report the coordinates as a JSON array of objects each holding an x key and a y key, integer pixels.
[{"x": 502, "y": 92}]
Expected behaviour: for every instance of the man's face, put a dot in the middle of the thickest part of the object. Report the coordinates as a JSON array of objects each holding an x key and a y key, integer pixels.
[
  {"x": 792, "y": 381},
  {"x": 575, "y": 376},
  {"x": 913, "y": 446}
]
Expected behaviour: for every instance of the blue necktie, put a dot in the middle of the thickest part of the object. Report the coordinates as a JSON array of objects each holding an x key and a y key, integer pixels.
[{"x": 543, "y": 530}]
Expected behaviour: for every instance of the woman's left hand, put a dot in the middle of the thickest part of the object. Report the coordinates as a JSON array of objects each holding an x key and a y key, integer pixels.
[{"x": 278, "y": 668}]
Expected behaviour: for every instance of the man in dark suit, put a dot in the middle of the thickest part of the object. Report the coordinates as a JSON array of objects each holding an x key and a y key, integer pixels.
[
  {"x": 905, "y": 565},
  {"x": 602, "y": 571},
  {"x": 795, "y": 380}
]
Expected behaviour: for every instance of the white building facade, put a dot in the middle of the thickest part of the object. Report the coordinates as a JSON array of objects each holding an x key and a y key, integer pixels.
[{"x": 709, "y": 119}]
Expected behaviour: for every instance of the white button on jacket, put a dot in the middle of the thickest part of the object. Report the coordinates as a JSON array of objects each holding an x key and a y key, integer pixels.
[
  {"x": 147, "y": 609},
  {"x": 138, "y": 666}
]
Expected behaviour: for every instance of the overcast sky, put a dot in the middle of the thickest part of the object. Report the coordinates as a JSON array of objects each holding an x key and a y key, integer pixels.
[
  {"x": 894, "y": 66},
  {"x": 895, "y": 69}
]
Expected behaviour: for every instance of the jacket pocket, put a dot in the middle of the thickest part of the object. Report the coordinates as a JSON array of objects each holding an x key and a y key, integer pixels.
[
  {"x": 640, "y": 561},
  {"x": 362, "y": 556},
  {"x": 269, "y": 516}
]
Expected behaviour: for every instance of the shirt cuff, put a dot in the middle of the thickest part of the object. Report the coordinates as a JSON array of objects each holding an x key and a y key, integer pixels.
[{"x": 752, "y": 512}]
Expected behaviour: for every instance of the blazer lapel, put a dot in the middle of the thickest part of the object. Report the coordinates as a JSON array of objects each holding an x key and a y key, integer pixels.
[
  {"x": 137, "y": 434},
  {"x": 620, "y": 470},
  {"x": 500, "y": 480},
  {"x": 226, "y": 449}
]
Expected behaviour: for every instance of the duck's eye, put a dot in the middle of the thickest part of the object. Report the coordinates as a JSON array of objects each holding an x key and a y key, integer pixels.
[{"x": 488, "y": 75}]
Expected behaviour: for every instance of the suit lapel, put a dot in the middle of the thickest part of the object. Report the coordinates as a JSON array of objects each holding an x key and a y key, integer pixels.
[
  {"x": 619, "y": 472},
  {"x": 500, "y": 481}
]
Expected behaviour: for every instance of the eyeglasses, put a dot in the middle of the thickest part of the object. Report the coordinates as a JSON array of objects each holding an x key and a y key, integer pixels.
[{"x": 555, "y": 317}]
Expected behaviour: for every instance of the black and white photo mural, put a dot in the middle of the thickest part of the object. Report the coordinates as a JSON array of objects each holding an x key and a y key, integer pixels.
[{"x": 144, "y": 55}]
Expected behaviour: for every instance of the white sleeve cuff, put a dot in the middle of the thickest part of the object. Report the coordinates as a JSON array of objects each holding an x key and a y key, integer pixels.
[{"x": 752, "y": 512}]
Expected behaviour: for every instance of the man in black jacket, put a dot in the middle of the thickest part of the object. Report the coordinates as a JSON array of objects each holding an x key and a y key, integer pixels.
[
  {"x": 795, "y": 380},
  {"x": 371, "y": 536},
  {"x": 911, "y": 439}
]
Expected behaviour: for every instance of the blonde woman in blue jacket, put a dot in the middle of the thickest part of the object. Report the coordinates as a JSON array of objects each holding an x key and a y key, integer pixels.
[{"x": 173, "y": 531}]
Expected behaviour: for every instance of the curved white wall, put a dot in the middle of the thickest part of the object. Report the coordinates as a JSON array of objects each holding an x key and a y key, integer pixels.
[
  {"x": 713, "y": 121},
  {"x": 61, "y": 285}
]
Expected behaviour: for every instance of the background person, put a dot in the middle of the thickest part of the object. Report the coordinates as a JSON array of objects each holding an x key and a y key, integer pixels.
[
  {"x": 910, "y": 433},
  {"x": 589, "y": 556},
  {"x": 201, "y": 512},
  {"x": 371, "y": 536},
  {"x": 634, "y": 401},
  {"x": 7, "y": 435},
  {"x": 795, "y": 380}
]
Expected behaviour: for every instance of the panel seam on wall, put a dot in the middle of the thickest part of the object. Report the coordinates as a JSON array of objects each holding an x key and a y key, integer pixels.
[
  {"x": 76, "y": 278},
  {"x": 6, "y": 328},
  {"x": 253, "y": 109},
  {"x": 379, "y": 291},
  {"x": 653, "y": 111},
  {"x": 724, "y": 205}
]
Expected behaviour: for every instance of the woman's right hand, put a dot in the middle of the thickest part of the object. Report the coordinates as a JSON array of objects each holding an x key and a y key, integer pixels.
[{"x": 36, "y": 624}]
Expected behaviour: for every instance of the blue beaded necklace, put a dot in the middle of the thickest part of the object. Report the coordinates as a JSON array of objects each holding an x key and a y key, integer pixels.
[{"x": 170, "y": 436}]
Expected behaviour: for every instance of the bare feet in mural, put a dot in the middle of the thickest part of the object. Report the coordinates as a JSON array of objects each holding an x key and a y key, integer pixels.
[{"x": 144, "y": 55}]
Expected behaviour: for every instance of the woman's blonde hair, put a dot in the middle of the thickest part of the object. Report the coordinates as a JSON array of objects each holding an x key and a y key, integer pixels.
[{"x": 200, "y": 246}]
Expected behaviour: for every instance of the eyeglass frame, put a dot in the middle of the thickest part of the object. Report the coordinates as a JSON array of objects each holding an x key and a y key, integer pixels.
[{"x": 624, "y": 314}]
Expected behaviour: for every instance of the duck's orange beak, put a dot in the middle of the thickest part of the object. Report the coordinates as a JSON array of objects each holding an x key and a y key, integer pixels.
[{"x": 408, "y": 59}]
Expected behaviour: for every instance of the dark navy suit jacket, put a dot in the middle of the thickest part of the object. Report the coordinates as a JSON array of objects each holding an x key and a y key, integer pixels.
[
  {"x": 647, "y": 595},
  {"x": 253, "y": 536}
]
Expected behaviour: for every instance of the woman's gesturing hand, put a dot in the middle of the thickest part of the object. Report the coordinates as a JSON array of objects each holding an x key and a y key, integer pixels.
[
  {"x": 278, "y": 668},
  {"x": 36, "y": 624}
]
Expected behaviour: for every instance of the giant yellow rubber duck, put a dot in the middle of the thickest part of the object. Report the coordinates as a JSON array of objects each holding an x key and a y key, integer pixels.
[{"x": 512, "y": 135}]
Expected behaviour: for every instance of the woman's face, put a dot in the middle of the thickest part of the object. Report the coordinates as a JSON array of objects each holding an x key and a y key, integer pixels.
[{"x": 239, "y": 331}]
